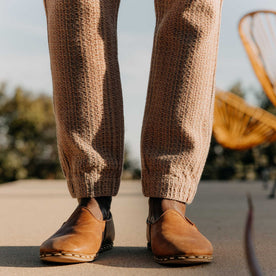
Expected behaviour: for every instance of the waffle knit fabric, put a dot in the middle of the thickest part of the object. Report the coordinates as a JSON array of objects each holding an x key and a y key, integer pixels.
[{"x": 88, "y": 105}]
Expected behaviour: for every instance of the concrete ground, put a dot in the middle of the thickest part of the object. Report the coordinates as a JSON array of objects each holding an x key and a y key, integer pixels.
[{"x": 31, "y": 210}]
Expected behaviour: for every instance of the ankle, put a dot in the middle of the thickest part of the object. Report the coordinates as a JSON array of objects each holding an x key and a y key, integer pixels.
[
  {"x": 104, "y": 203},
  {"x": 157, "y": 206},
  {"x": 99, "y": 206}
]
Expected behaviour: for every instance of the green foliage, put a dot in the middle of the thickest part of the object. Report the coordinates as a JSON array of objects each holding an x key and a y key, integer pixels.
[
  {"x": 237, "y": 89},
  {"x": 131, "y": 170},
  {"x": 28, "y": 137}
]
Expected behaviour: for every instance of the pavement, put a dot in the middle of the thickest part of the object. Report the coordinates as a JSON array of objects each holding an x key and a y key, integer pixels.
[{"x": 31, "y": 210}]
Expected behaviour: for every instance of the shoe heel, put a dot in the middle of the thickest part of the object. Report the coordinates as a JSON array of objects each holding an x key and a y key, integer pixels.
[{"x": 106, "y": 246}]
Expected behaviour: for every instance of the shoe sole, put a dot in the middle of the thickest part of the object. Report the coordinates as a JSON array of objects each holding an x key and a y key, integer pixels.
[
  {"x": 69, "y": 257},
  {"x": 182, "y": 259}
]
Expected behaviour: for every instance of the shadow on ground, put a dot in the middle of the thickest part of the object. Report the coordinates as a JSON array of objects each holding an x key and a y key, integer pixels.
[
  {"x": 131, "y": 257},
  {"x": 20, "y": 256}
]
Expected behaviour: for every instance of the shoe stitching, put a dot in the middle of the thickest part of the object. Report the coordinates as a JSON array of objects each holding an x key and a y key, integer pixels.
[
  {"x": 183, "y": 258},
  {"x": 68, "y": 255},
  {"x": 57, "y": 254}
]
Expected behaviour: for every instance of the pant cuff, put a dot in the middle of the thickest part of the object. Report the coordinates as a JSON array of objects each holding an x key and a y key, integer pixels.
[
  {"x": 87, "y": 186},
  {"x": 182, "y": 189}
]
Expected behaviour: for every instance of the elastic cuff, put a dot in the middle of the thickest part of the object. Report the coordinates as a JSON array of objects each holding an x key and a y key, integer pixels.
[{"x": 182, "y": 189}]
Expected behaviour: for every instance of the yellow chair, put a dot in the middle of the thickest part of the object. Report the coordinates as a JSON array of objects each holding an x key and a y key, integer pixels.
[
  {"x": 239, "y": 126},
  {"x": 258, "y": 34}
]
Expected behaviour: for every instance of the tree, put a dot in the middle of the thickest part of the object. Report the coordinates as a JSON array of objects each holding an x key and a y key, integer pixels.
[{"x": 28, "y": 137}]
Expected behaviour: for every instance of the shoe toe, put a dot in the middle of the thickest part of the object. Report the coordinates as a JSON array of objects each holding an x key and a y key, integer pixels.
[{"x": 66, "y": 243}]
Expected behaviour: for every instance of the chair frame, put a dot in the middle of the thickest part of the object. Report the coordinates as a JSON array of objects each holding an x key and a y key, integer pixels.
[{"x": 258, "y": 67}]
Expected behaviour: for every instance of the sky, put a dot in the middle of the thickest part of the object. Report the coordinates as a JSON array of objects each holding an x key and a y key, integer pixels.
[{"x": 24, "y": 56}]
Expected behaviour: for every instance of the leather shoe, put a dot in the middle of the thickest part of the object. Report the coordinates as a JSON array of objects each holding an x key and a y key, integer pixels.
[
  {"x": 174, "y": 239},
  {"x": 80, "y": 239}
]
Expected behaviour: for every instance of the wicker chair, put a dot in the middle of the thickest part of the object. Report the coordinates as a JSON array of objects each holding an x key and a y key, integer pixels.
[
  {"x": 239, "y": 126},
  {"x": 258, "y": 34}
]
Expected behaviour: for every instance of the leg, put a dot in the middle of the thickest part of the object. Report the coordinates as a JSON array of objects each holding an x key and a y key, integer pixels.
[
  {"x": 178, "y": 115},
  {"x": 87, "y": 94},
  {"x": 273, "y": 191},
  {"x": 89, "y": 118}
]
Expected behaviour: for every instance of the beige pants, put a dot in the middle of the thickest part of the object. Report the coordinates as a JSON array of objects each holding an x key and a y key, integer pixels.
[{"x": 88, "y": 104}]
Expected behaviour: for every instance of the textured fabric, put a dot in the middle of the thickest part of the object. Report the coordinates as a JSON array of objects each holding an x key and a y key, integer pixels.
[
  {"x": 88, "y": 103},
  {"x": 87, "y": 94},
  {"x": 177, "y": 124}
]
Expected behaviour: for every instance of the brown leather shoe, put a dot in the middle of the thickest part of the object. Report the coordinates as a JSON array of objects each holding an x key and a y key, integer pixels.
[
  {"x": 174, "y": 239},
  {"x": 80, "y": 239}
]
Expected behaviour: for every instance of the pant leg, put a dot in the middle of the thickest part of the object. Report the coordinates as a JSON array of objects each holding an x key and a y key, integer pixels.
[
  {"x": 82, "y": 36},
  {"x": 178, "y": 116}
]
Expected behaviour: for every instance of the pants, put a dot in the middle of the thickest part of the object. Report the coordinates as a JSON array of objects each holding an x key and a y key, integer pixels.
[{"x": 88, "y": 105}]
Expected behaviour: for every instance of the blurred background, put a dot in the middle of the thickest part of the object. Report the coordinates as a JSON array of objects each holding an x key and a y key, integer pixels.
[{"x": 27, "y": 126}]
